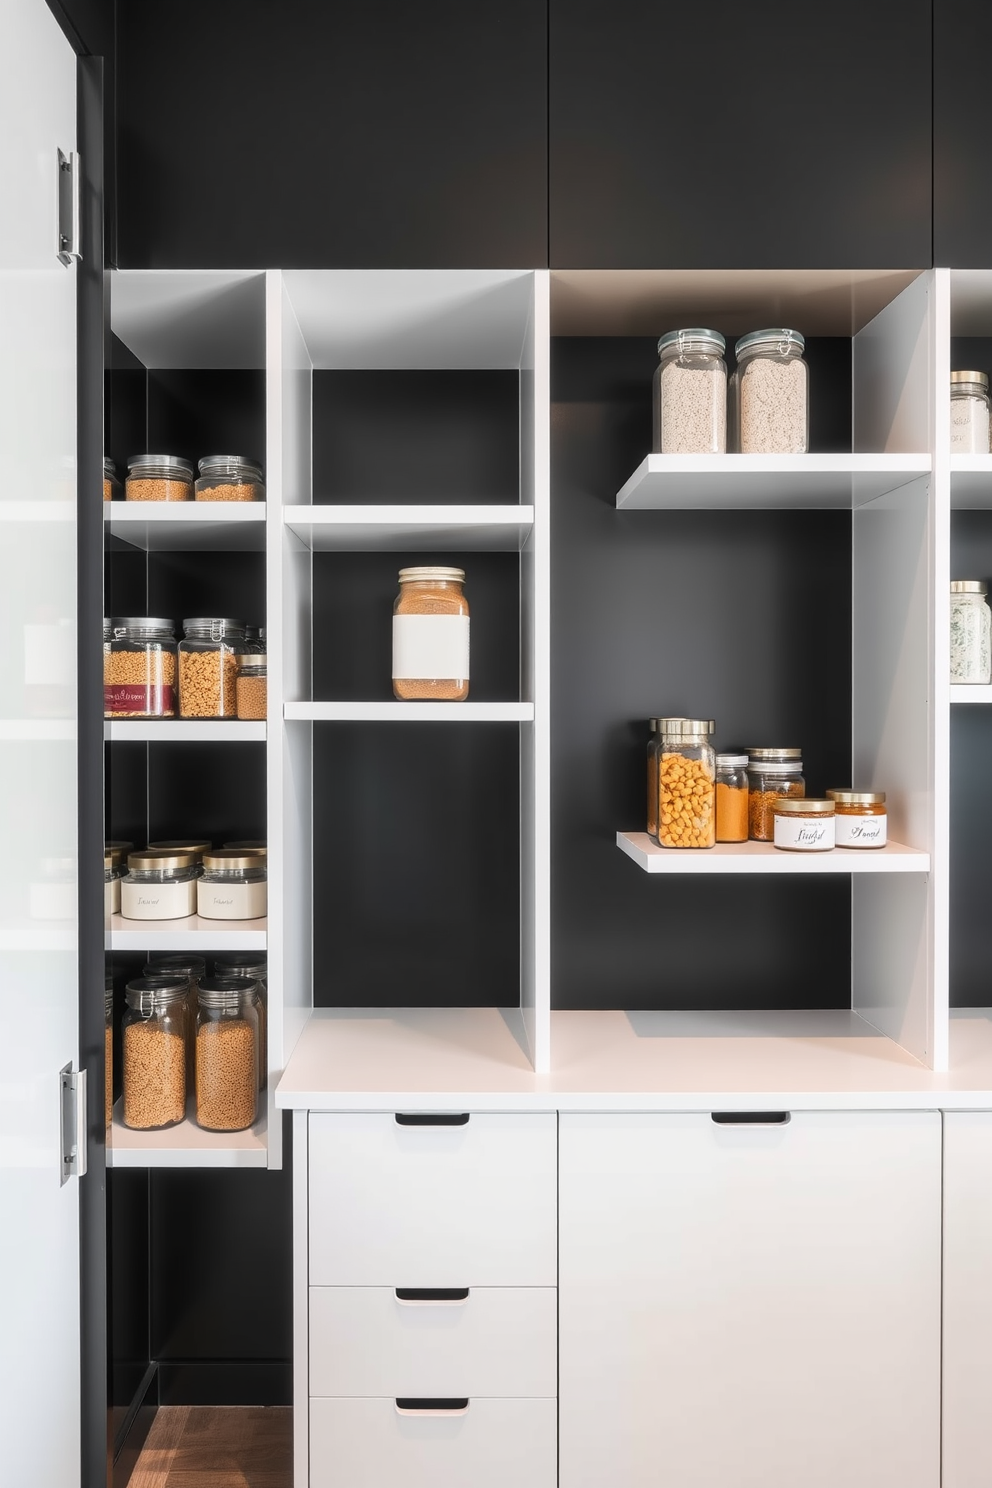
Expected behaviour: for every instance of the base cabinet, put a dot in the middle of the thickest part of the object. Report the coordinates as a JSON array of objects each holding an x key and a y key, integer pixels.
[
  {"x": 967, "y": 1373},
  {"x": 750, "y": 1306}
]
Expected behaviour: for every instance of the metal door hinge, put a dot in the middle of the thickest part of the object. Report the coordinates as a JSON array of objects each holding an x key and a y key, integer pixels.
[
  {"x": 70, "y": 181},
  {"x": 72, "y": 1091}
]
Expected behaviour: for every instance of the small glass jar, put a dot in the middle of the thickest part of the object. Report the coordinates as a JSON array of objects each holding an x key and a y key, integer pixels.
[
  {"x": 111, "y": 485},
  {"x": 431, "y": 636},
  {"x": 804, "y": 825},
  {"x": 686, "y": 794},
  {"x": 690, "y": 393},
  {"x": 229, "y": 478},
  {"x": 108, "y": 1047},
  {"x": 771, "y": 774},
  {"x": 772, "y": 392},
  {"x": 731, "y": 798},
  {"x": 232, "y": 886},
  {"x": 154, "y": 1038},
  {"x": 208, "y": 668},
  {"x": 139, "y": 669},
  {"x": 227, "y": 1054},
  {"x": 860, "y": 818},
  {"x": 252, "y": 688},
  {"x": 971, "y": 632},
  {"x": 969, "y": 413},
  {"x": 158, "y": 478},
  {"x": 653, "y": 779},
  {"x": 159, "y": 886},
  {"x": 113, "y": 872}
]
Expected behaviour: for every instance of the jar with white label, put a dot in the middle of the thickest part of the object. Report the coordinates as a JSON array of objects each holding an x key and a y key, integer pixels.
[
  {"x": 232, "y": 886},
  {"x": 159, "y": 885},
  {"x": 431, "y": 636},
  {"x": 804, "y": 825},
  {"x": 860, "y": 818},
  {"x": 971, "y": 632},
  {"x": 969, "y": 413}
]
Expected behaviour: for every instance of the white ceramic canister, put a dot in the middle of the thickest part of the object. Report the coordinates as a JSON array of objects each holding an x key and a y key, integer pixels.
[
  {"x": 159, "y": 885},
  {"x": 232, "y": 886},
  {"x": 803, "y": 824}
]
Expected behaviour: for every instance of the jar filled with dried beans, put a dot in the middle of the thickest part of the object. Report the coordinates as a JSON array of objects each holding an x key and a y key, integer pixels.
[
  {"x": 690, "y": 393},
  {"x": 686, "y": 794},
  {"x": 226, "y": 1054},
  {"x": 771, "y": 773},
  {"x": 154, "y": 1052},
  {"x": 208, "y": 668},
  {"x": 139, "y": 669},
  {"x": 229, "y": 478},
  {"x": 772, "y": 392},
  {"x": 431, "y": 635},
  {"x": 111, "y": 485},
  {"x": 158, "y": 478},
  {"x": 108, "y": 1050},
  {"x": 252, "y": 688}
]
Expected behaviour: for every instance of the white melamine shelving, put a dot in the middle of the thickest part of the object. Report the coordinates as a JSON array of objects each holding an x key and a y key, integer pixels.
[
  {"x": 971, "y": 481},
  {"x": 192, "y": 934},
  {"x": 184, "y": 1146},
  {"x": 187, "y": 526},
  {"x": 963, "y": 692},
  {"x": 185, "y": 730},
  {"x": 398, "y": 712},
  {"x": 763, "y": 857},
  {"x": 364, "y": 529},
  {"x": 751, "y": 482}
]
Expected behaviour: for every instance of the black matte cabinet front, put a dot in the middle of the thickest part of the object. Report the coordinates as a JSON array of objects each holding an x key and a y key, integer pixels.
[
  {"x": 729, "y": 135},
  {"x": 962, "y": 204},
  {"x": 305, "y": 134}
]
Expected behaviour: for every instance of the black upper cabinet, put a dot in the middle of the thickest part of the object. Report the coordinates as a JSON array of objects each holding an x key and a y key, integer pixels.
[
  {"x": 359, "y": 133},
  {"x": 962, "y": 201},
  {"x": 735, "y": 135}
]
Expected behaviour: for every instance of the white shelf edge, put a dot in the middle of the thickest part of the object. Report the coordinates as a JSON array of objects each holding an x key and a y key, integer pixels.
[
  {"x": 414, "y": 528},
  {"x": 398, "y": 712},
  {"x": 505, "y": 514},
  {"x": 971, "y": 693},
  {"x": 186, "y": 730},
  {"x": 192, "y": 934},
  {"x": 208, "y": 513},
  {"x": 762, "y": 857},
  {"x": 185, "y": 1146},
  {"x": 663, "y": 482}
]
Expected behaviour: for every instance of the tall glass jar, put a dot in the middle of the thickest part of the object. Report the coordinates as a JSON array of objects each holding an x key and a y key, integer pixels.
[
  {"x": 731, "y": 798},
  {"x": 229, "y": 478},
  {"x": 969, "y": 413},
  {"x": 158, "y": 478},
  {"x": 772, "y": 391},
  {"x": 208, "y": 668},
  {"x": 227, "y": 1054},
  {"x": 653, "y": 779},
  {"x": 686, "y": 771},
  {"x": 108, "y": 1048},
  {"x": 232, "y": 886},
  {"x": 690, "y": 393},
  {"x": 771, "y": 773},
  {"x": 159, "y": 886},
  {"x": 971, "y": 632},
  {"x": 154, "y": 1052},
  {"x": 139, "y": 669},
  {"x": 111, "y": 485},
  {"x": 431, "y": 636}
]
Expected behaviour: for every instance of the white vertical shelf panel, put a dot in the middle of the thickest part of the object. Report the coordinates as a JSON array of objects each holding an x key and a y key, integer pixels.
[{"x": 966, "y": 1438}]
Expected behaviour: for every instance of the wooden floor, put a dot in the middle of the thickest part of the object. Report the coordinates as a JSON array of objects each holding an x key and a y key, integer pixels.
[{"x": 210, "y": 1446}]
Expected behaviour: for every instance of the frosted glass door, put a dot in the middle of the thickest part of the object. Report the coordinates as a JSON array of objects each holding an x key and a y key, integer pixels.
[{"x": 39, "y": 1215}]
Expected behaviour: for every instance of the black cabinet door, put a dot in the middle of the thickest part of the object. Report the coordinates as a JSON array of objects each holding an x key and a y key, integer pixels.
[
  {"x": 356, "y": 133},
  {"x": 740, "y": 135},
  {"x": 962, "y": 176}
]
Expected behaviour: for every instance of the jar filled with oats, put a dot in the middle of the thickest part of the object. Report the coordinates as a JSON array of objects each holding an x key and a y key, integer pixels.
[
  {"x": 772, "y": 392},
  {"x": 208, "y": 668},
  {"x": 686, "y": 775},
  {"x": 229, "y": 478},
  {"x": 154, "y": 1052},
  {"x": 158, "y": 478},
  {"x": 771, "y": 774},
  {"x": 227, "y": 1054},
  {"x": 690, "y": 393},
  {"x": 139, "y": 669},
  {"x": 431, "y": 635}
]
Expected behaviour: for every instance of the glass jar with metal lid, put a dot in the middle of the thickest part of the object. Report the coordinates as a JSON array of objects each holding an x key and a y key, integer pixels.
[
  {"x": 690, "y": 393},
  {"x": 229, "y": 478},
  {"x": 860, "y": 818},
  {"x": 971, "y": 632},
  {"x": 805, "y": 825},
  {"x": 232, "y": 886},
  {"x": 158, "y": 478},
  {"x": 252, "y": 688},
  {"x": 208, "y": 668},
  {"x": 686, "y": 771},
  {"x": 182, "y": 964},
  {"x": 159, "y": 885},
  {"x": 772, "y": 393},
  {"x": 731, "y": 798},
  {"x": 111, "y": 485},
  {"x": 113, "y": 872},
  {"x": 108, "y": 1047},
  {"x": 771, "y": 773},
  {"x": 249, "y": 966},
  {"x": 431, "y": 635},
  {"x": 969, "y": 413},
  {"x": 227, "y": 1054},
  {"x": 139, "y": 669},
  {"x": 154, "y": 1041}
]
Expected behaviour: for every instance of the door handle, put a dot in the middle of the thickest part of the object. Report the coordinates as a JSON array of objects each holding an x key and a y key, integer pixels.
[
  {"x": 70, "y": 219},
  {"x": 751, "y": 1118},
  {"x": 416, "y": 1406},
  {"x": 72, "y": 1096},
  {"x": 431, "y": 1296},
  {"x": 432, "y": 1118}
]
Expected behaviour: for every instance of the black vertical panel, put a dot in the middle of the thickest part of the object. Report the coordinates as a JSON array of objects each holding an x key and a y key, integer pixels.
[
  {"x": 962, "y": 204},
  {"x": 763, "y": 135},
  {"x": 380, "y": 134}
]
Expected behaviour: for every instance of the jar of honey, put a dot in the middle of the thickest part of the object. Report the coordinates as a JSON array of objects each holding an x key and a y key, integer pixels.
[{"x": 861, "y": 818}]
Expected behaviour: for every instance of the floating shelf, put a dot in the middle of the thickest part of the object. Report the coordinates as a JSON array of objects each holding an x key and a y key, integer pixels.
[
  {"x": 189, "y": 730},
  {"x": 192, "y": 934},
  {"x": 184, "y": 1146},
  {"x": 183, "y": 526},
  {"x": 766, "y": 482},
  {"x": 414, "y": 529},
  {"x": 762, "y": 857},
  {"x": 971, "y": 481},
  {"x": 397, "y": 712},
  {"x": 976, "y": 692}
]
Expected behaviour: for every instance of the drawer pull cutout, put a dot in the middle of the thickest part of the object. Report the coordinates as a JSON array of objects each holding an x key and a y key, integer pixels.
[
  {"x": 750, "y": 1118},
  {"x": 431, "y": 1294},
  {"x": 432, "y": 1118},
  {"x": 413, "y": 1405}
]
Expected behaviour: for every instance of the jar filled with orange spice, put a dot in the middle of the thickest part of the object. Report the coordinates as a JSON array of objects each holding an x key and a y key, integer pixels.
[
  {"x": 431, "y": 636},
  {"x": 772, "y": 773},
  {"x": 731, "y": 798}
]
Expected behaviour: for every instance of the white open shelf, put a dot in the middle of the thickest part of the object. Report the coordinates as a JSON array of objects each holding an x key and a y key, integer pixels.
[
  {"x": 192, "y": 934},
  {"x": 767, "y": 482},
  {"x": 966, "y": 692},
  {"x": 184, "y": 1146},
  {"x": 763, "y": 857},
  {"x": 184, "y": 526},
  {"x": 971, "y": 481},
  {"x": 364, "y": 529},
  {"x": 188, "y": 730},
  {"x": 397, "y": 712}
]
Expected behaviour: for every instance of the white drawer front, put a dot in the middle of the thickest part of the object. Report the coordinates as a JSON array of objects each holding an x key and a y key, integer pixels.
[
  {"x": 497, "y": 1341},
  {"x": 433, "y": 1206},
  {"x": 493, "y": 1444}
]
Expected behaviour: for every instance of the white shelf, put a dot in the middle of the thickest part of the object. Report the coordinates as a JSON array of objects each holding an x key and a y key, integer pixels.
[
  {"x": 766, "y": 482},
  {"x": 189, "y": 730},
  {"x": 971, "y": 481},
  {"x": 185, "y": 1146},
  {"x": 362, "y": 529},
  {"x": 397, "y": 712},
  {"x": 965, "y": 692},
  {"x": 183, "y": 526},
  {"x": 192, "y": 934},
  {"x": 762, "y": 857}
]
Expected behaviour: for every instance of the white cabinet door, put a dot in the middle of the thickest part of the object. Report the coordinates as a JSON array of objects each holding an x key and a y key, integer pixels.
[
  {"x": 39, "y": 1229},
  {"x": 967, "y": 1384},
  {"x": 750, "y": 1306}
]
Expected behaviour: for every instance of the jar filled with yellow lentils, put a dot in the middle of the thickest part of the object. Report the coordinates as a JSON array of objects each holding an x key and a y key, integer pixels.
[{"x": 208, "y": 668}]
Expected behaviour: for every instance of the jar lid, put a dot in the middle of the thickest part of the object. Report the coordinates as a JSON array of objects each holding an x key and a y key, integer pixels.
[
  {"x": 226, "y": 857},
  {"x": 109, "y": 468},
  {"x": 775, "y": 767},
  {"x": 119, "y": 847},
  {"x": 730, "y": 761},
  {"x": 256, "y": 663},
  {"x": 108, "y": 996},
  {"x": 772, "y": 337},
  {"x": 693, "y": 338},
  {"x": 260, "y": 849},
  {"x": 182, "y": 845},
  {"x": 226, "y": 626},
  {"x": 161, "y": 857},
  {"x": 155, "y": 991},
  {"x": 413, "y": 575},
  {"x": 217, "y": 464},
  {"x": 241, "y": 964},
  {"x": 801, "y": 806},
  {"x": 969, "y": 586},
  {"x": 982, "y": 378},
  {"x": 187, "y": 962},
  {"x": 773, "y": 755},
  {"x": 161, "y": 464},
  {"x": 111, "y": 860},
  {"x": 142, "y": 623},
  {"x": 679, "y": 728},
  {"x": 222, "y": 991},
  {"x": 857, "y": 798}
]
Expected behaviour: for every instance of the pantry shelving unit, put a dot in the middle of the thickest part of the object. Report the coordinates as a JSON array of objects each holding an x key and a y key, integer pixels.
[
  {"x": 185, "y": 935},
  {"x": 188, "y": 730}
]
